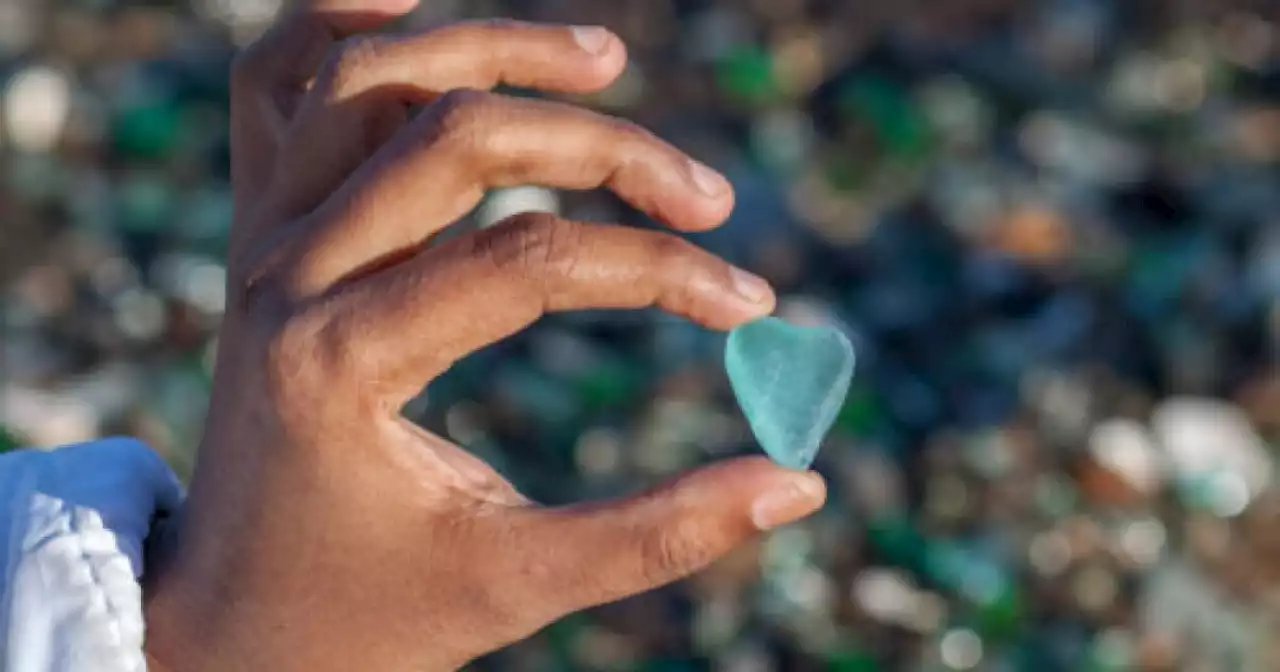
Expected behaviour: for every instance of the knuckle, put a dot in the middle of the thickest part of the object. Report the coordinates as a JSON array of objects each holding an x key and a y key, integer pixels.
[
  {"x": 460, "y": 110},
  {"x": 674, "y": 262},
  {"x": 304, "y": 349},
  {"x": 259, "y": 297},
  {"x": 349, "y": 63},
  {"x": 331, "y": 347},
  {"x": 675, "y": 552},
  {"x": 308, "y": 357},
  {"x": 669, "y": 249},
  {"x": 532, "y": 245},
  {"x": 481, "y": 39},
  {"x": 290, "y": 354},
  {"x": 257, "y": 276},
  {"x": 630, "y": 133}
]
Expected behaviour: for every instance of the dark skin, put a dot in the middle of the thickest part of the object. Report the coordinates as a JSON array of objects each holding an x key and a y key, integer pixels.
[{"x": 323, "y": 530}]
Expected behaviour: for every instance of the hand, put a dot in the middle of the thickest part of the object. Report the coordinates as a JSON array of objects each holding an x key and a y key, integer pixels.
[{"x": 324, "y": 531}]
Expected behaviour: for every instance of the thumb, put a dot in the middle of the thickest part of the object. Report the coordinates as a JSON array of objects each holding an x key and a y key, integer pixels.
[{"x": 593, "y": 554}]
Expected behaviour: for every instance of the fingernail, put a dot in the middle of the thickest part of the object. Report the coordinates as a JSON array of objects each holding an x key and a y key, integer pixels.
[
  {"x": 708, "y": 181},
  {"x": 797, "y": 498},
  {"x": 593, "y": 39},
  {"x": 750, "y": 287}
]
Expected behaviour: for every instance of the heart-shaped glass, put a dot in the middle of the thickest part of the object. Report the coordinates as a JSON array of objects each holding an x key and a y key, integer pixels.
[{"x": 790, "y": 382}]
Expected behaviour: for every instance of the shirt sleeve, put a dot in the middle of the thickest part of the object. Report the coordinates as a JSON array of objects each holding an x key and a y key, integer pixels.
[{"x": 73, "y": 524}]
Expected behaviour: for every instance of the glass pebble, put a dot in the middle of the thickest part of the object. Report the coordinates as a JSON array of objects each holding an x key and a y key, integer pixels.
[{"x": 791, "y": 383}]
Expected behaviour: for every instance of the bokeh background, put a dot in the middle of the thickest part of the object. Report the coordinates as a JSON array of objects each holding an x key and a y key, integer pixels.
[{"x": 1049, "y": 226}]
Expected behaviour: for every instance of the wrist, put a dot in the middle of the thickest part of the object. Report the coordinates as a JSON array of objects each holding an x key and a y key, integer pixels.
[{"x": 162, "y": 620}]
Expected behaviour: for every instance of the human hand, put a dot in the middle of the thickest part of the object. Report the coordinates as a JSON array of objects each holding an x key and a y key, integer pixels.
[{"x": 324, "y": 531}]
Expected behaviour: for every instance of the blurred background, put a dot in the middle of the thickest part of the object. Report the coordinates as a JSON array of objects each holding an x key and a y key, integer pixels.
[{"x": 1051, "y": 228}]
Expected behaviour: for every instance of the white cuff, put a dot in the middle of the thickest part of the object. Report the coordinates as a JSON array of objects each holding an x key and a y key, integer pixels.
[{"x": 73, "y": 524}]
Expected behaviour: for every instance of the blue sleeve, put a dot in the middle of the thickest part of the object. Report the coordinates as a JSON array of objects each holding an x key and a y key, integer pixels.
[{"x": 73, "y": 522}]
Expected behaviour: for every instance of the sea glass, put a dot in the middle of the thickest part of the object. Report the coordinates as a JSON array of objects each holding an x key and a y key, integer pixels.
[{"x": 790, "y": 382}]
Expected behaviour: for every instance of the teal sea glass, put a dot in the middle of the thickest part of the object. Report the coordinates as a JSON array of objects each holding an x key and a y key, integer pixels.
[{"x": 790, "y": 382}]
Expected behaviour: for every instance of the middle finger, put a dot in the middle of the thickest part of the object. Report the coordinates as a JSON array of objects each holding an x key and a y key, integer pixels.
[{"x": 438, "y": 168}]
